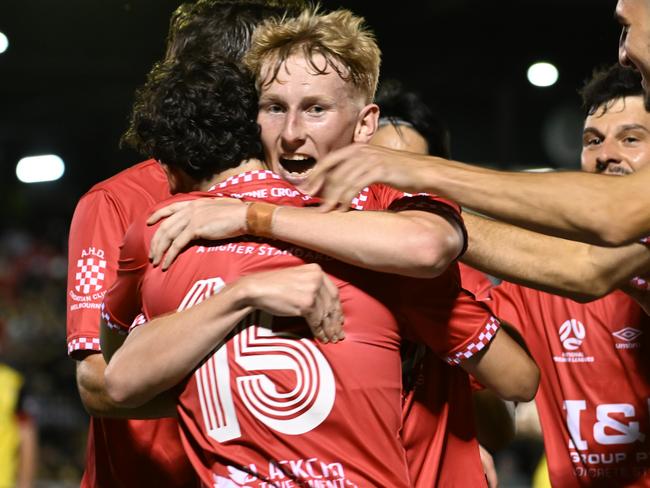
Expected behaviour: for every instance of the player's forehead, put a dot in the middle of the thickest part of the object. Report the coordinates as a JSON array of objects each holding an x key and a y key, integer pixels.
[
  {"x": 299, "y": 76},
  {"x": 624, "y": 111}
]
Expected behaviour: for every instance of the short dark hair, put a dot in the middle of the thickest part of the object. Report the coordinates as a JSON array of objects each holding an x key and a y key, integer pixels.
[
  {"x": 398, "y": 104},
  {"x": 608, "y": 84},
  {"x": 222, "y": 27},
  {"x": 197, "y": 114}
]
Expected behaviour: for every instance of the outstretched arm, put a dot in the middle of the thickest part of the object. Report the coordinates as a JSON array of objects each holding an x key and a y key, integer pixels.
[
  {"x": 573, "y": 269},
  {"x": 578, "y": 206},
  {"x": 158, "y": 355},
  {"x": 412, "y": 242}
]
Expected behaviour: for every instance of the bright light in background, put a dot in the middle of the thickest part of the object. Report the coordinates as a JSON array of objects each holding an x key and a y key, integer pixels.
[
  {"x": 542, "y": 74},
  {"x": 4, "y": 43},
  {"x": 36, "y": 169}
]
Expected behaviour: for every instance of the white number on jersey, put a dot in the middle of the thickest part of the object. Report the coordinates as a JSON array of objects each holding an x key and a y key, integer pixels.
[{"x": 258, "y": 349}]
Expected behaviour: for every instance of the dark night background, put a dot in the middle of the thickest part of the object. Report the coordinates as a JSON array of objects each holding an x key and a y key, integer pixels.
[{"x": 67, "y": 80}]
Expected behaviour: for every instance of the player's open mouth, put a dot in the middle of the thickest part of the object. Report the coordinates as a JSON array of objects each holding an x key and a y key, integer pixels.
[{"x": 297, "y": 164}]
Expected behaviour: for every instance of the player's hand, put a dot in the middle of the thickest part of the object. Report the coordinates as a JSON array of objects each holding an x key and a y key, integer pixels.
[
  {"x": 488, "y": 467},
  {"x": 342, "y": 174},
  {"x": 203, "y": 218},
  {"x": 300, "y": 291}
]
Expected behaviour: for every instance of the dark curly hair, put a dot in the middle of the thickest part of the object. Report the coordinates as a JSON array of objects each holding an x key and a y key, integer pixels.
[
  {"x": 398, "y": 104},
  {"x": 222, "y": 27},
  {"x": 608, "y": 84},
  {"x": 197, "y": 114}
]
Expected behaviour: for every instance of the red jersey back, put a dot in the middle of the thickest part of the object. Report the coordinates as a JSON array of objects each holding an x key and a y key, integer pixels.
[
  {"x": 120, "y": 453},
  {"x": 594, "y": 392},
  {"x": 272, "y": 407}
]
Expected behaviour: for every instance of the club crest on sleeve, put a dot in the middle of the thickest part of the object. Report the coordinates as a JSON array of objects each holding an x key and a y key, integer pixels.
[{"x": 91, "y": 267}]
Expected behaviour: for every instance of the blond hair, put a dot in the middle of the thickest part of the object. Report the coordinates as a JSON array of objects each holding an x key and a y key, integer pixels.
[{"x": 341, "y": 37}]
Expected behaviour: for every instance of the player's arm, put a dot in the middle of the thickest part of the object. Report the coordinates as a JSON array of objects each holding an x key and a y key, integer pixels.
[
  {"x": 95, "y": 233},
  {"x": 411, "y": 242},
  {"x": 504, "y": 367},
  {"x": 568, "y": 268},
  {"x": 495, "y": 420},
  {"x": 159, "y": 354},
  {"x": 98, "y": 403},
  {"x": 574, "y": 205}
]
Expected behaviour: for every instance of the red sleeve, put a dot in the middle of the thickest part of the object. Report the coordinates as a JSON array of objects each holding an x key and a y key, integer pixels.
[
  {"x": 95, "y": 233},
  {"x": 382, "y": 197},
  {"x": 475, "y": 282},
  {"x": 453, "y": 324},
  {"x": 123, "y": 301},
  {"x": 509, "y": 304}
]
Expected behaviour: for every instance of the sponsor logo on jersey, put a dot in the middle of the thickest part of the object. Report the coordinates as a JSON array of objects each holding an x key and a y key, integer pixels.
[
  {"x": 285, "y": 474},
  {"x": 91, "y": 267},
  {"x": 627, "y": 336},
  {"x": 572, "y": 334}
]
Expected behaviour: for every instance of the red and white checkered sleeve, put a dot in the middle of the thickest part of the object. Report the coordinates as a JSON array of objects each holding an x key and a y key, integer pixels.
[
  {"x": 449, "y": 320},
  {"x": 642, "y": 282},
  {"x": 95, "y": 235}
]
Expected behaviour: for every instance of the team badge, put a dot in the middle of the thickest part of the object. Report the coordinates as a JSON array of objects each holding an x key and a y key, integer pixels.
[{"x": 90, "y": 271}]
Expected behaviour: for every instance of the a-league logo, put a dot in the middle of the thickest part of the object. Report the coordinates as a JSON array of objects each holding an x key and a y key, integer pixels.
[{"x": 572, "y": 333}]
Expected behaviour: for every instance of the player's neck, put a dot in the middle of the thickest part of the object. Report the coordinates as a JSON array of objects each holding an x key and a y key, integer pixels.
[{"x": 247, "y": 165}]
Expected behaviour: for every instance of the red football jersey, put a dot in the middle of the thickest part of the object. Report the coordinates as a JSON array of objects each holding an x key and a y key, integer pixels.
[
  {"x": 120, "y": 453},
  {"x": 439, "y": 433},
  {"x": 594, "y": 392},
  {"x": 272, "y": 407}
]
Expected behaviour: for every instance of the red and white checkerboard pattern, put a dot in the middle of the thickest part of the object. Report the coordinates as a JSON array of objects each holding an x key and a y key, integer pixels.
[
  {"x": 90, "y": 275},
  {"x": 138, "y": 321},
  {"x": 111, "y": 325},
  {"x": 84, "y": 344},
  {"x": 246, "y": 177},
  {"x": 640, "y": 283},
  {"x": 360, "y": 200},
  {"x": 484, "y": 339}
]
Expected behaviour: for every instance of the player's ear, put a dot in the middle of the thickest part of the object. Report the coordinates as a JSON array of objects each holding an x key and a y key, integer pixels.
[{"x": 367, "y": 123}]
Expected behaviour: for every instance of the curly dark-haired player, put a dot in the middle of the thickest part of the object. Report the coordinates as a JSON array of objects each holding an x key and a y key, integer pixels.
[{"x": 121, "y": 452}]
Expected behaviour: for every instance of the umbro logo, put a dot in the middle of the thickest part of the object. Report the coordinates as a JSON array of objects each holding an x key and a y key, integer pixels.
[{"x": 627, "y": 334}]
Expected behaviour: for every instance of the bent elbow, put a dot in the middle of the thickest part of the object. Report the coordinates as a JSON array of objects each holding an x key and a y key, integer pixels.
[
  {"x": 431, "y": 254},
  {"x": 119, "y": 389}
]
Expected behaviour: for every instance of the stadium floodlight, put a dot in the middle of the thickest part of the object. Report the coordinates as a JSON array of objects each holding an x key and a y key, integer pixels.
[
  {"x": 37, "y": 169},
  {"x": 542, "y": 74},
  {"x": 4, "y": 43}
]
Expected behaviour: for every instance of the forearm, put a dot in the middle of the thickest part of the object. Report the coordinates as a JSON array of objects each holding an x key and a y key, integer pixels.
[
  {"x": 568, "y": 268},
  {"x": 97, "y": 402},
  {"x": 158, "y": 355},
  {"x": 577, "y": 206},
  {"x": 410, "y": 243}
]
